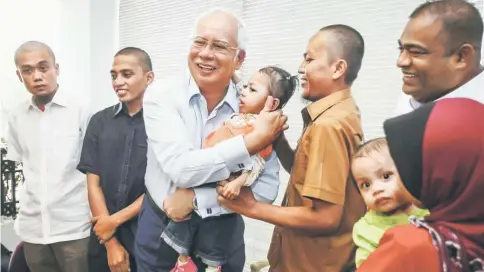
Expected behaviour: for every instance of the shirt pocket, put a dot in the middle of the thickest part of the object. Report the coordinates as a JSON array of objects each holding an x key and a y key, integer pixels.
[{"x": 67, "y": 145}]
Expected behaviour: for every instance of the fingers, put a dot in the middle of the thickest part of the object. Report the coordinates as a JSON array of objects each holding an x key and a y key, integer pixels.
[
  {"x": 94, "y": 219},
  {"x": 268, "y": 104},
  {"x": 126, "y": 263},
  {"x": 220, "y": 189},
  {"x": 115, "y": 268},
  {"x": 226, "y": 194},
  {"x": 181, "y": 219},
  {"x": 222, "y": 183}
]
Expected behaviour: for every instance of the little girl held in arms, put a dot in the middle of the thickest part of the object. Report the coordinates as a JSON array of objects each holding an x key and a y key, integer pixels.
[
  {"x": 380, "y": 186},
  {"x": 268, "y": 81},
  {"x": 213, "y": 248}
]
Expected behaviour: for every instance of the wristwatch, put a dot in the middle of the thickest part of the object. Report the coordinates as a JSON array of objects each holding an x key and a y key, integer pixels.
[{"x": 194, "y": 203}]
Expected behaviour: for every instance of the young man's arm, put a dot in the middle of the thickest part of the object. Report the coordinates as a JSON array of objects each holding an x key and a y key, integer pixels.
[
  {"x": 129, "y": 212},
  {"x": 284, "y": 152},
  {"x": 325, "y": 185},
  {"x": 106, "y": 224}
]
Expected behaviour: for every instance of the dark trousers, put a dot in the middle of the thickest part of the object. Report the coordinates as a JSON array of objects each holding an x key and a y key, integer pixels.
[
  {"x": 17, "y": 260},
  {"x": 154, "y": 255},
  {"x": 209, "y": 239}
]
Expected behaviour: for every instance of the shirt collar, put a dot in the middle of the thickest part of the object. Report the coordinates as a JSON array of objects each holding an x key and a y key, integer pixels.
[
  {"x": 468, "y": 90},
  {"x": 231, "y": 98},
  {"x": 120, "y": 107},
  {"x": 117, "y": 109},
  {"x": 315, "y": 109},
  {"x": 59, "y": 99}
]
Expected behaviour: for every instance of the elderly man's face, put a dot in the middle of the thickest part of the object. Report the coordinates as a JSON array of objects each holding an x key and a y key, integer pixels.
[{"x": 213, "y": 56}]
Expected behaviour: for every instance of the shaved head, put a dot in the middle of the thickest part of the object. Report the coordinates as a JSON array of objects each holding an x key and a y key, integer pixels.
[
  {"x": 32, "y": 46},
  {"x": 143, "y": 57},
  {"x": 345, "y": 43}
]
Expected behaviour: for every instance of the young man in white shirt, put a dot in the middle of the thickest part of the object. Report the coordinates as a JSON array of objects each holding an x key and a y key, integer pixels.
[
  {"x": 45, "y": 133},
  {"x": 440, "y": 54}
]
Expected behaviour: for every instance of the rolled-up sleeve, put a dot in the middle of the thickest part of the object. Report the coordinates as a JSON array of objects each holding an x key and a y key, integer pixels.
[
  {"x": 186, "y": 165},
  {"x": 265, "y": 189}
]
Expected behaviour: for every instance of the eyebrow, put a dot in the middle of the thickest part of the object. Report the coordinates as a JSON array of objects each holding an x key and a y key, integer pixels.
[
  {"x": 42, "y": 62},
  {"x": 122, "y": 71},
  {"x": 411, "y": 45},
  {"x": 215, "y": 40}
]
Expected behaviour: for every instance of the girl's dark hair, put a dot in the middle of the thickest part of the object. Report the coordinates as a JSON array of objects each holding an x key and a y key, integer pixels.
[{"x": 282, "y": 84}]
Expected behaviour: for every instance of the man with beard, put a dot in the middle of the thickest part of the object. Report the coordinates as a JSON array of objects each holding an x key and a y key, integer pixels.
[
  {"x": 45, "y": 133},
  {"x": 314, "y": 226}
]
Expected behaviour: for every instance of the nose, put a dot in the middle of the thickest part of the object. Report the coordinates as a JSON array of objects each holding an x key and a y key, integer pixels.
[
  {"x": 206, "y": 52},
  {"x": 37, "y": 75},
  {"x": 377, "y": 188},
  {"x": 118, "y": 82},
  {"x": 404, "y": 60},
  {"x": 243, "y": 91},
  {"x": 302, "y": 68}
]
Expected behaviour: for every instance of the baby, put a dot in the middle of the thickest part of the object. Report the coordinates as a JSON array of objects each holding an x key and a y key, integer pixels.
[
  {"x": 380, "y": 186},
  {"x": 214, "y": 234}
]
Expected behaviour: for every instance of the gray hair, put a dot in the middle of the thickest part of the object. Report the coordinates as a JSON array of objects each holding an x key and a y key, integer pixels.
[{"x": 242, "y": 36}]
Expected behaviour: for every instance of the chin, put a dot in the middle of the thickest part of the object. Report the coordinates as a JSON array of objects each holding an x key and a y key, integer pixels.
[
  {"x": 125, "y": 99},
  {"x": 409, "y": 90}
]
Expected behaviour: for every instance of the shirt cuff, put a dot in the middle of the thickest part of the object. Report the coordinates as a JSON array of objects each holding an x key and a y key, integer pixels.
[
  {"x": 207, "y": 203},
  {"x": 235, "y": 154}
]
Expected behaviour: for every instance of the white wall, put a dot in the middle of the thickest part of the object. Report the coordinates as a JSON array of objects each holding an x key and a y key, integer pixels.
[{"x": 82, "y": 34}]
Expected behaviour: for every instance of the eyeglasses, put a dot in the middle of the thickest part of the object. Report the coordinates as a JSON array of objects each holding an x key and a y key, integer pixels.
[{"x": 217, "y": 47}]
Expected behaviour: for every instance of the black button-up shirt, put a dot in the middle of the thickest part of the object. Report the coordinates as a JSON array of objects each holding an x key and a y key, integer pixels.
[{"x": 115, "y": 149}]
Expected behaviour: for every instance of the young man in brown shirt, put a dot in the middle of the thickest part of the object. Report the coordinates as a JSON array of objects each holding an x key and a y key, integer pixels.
[{"x": 321, "y": 204}]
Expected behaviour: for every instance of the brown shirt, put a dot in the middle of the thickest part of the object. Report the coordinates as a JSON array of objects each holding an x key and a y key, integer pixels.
[{"x": 332, "y": 132}]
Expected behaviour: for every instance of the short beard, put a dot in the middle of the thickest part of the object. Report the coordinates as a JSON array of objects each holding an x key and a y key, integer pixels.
[{"x": 305, "y": 101}]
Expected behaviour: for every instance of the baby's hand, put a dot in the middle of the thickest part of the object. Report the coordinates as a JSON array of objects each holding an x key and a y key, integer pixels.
[
  {"x": 231, "y": 190},
  {"x": 232, "y": 177}
]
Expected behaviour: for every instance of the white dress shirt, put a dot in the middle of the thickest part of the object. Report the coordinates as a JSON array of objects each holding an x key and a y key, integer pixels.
[
  {"x": 177, "y": 121},
  {"x": 473, "y": 89},
  {"x": 53, "y": 203}
]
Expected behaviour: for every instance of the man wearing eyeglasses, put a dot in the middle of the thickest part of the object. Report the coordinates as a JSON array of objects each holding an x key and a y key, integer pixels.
[
  {"x": 440, "y": 54},
  {"x": 194, "y": 105}
]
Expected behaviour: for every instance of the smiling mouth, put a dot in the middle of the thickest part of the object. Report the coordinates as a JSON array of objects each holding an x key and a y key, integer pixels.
[
  {"x": 206, "y": 67},
  {"x": 303, "y": 81},
  {"x": 409, "y": 75}
]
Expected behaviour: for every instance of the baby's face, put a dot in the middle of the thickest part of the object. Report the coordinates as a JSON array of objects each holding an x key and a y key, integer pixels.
[
  {"x": 379, "y": 182},
  {"x": 254, "y": 95}
]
